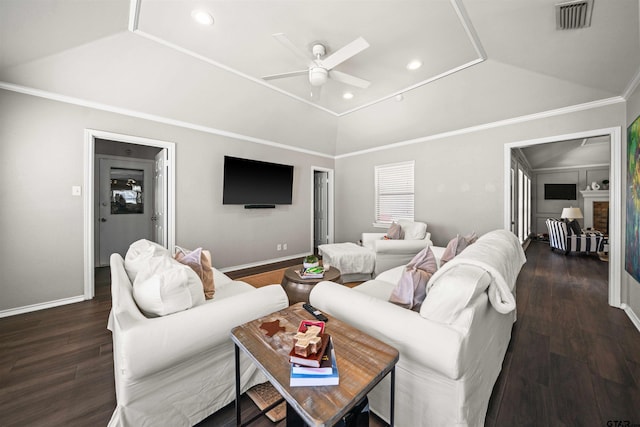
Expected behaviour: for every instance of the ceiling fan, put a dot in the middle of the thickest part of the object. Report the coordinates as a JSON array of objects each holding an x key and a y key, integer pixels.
[{"x": 321, "y": 69}]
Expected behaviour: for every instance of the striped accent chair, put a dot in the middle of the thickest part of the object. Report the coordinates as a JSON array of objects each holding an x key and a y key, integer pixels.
[{"x": 565, "y": 240}]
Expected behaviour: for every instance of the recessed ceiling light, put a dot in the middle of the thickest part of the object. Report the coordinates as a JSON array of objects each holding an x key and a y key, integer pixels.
[
  {"x": 347, "y": 95},
  {"x": 414, "y": 65},
  {"x": 202, "y": 17}
]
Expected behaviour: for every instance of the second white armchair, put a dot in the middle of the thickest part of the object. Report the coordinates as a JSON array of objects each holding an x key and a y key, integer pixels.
[{"x": 392, "y": 253}]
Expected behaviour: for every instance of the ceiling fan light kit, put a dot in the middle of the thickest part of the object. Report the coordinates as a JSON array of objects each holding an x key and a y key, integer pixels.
[{"x": 318, "y": 76}]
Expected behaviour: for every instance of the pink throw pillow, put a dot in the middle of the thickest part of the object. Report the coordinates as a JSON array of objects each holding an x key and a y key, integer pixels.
[
  {"x": 200, "y": 261},
  {"x": 411, "y": 289},
  {"x": 395, "y": 232},
  {"x": 455, "y": 246}
]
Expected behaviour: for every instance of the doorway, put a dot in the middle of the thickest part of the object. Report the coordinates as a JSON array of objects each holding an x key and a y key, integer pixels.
[
  {"x": 321, "y": 207},
  {"x": 126, "y": 197},
  {"x": 129, "y": 194},
  {"x": 615, "y": 226}
]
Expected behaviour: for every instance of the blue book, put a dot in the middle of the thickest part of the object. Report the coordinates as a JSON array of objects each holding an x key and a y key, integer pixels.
[{"x": 300, "y": 379}]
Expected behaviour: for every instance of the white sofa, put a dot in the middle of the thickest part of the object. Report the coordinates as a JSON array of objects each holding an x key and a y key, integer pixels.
[
  {"x": 392, "y": 253},
  {"x": 451, "y": 352},
  {"x": 177, "y": 369}
]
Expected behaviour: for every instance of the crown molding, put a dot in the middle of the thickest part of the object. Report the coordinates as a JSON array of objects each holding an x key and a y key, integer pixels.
[
  {"x": 557, "y": 168},
  {"x": 631, "y": 87},
  {"x": 179, "y": 123},
  {"x": 152, "y": 117},
  {"x": 491, "y": 125}
]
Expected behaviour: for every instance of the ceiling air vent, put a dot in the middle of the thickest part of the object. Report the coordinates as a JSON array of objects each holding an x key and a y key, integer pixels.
[{"x": 573, "y": 14}]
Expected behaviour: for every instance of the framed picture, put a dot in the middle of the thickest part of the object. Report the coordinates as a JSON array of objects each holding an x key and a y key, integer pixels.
[{"x": 632, "y": 260}]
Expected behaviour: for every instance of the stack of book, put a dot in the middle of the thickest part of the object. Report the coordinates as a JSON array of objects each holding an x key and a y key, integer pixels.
[
  {"x": 312, "y": 272},
  {"x": 316, "y": 369}
]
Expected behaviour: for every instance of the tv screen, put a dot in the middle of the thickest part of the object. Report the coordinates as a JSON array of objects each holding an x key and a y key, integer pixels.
[
  {"x": 252, "y": 182},
  {"x": 560, "y": 192}
]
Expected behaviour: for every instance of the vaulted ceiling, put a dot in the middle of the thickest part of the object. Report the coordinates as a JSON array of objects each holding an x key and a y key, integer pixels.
[{"x": 482, "y": 61}]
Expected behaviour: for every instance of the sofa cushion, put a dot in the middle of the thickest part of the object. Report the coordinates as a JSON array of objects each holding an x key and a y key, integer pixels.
[
  {"x": 200, "y": 261},
  {"x": 139, "y": 253},
  {"x": 412, "y": 286},
  {"x": 453, "y": 292},
  {"x": 457, "y": 245},
  {"x": 395, "y": 232},
  {"x": 164, "y": 286},
  {"x": 413, "y": 230}
]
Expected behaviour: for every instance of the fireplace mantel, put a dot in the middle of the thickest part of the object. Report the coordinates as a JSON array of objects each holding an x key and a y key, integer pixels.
[{"x": 591, "y": 196}]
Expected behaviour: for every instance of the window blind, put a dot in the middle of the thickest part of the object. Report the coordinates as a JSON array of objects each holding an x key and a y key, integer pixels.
[{"x": 394, "y": 192}]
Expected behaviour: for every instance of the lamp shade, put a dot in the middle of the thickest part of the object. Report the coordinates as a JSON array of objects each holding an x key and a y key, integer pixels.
[{"x": 571, "y": 213}]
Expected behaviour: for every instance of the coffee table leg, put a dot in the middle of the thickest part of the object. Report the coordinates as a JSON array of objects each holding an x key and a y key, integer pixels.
[
  {"x": 393, "y": 395},
  {"x": 237, "y": 359}
]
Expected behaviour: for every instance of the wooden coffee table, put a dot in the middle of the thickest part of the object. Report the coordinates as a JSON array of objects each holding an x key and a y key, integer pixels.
[
  {"x": 298, "y": 289},
  {"x": 363, "y": 362}
]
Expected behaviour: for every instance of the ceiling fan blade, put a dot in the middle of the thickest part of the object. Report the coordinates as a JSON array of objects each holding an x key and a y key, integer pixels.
[
  {"x": 284, "y": 75},
  {"x": 284, "y": 40},
  {"x": 349, "y": 79},
  {"x": 344, "y": 53}
]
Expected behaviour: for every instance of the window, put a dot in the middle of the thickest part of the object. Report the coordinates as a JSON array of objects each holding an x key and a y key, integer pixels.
[
  {"x": 126, "y": 191},
  {"x": 394, "y": 192}
]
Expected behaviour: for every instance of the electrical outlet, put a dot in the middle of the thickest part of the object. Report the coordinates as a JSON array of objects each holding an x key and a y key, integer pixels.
[
  {"x": 284, "y": 246},
  {"x": 279, "y": 247}
]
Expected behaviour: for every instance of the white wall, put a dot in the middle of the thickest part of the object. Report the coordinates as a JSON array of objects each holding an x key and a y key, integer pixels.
[
  {"x": 41, "y": 223},
  {"x": 631, "y": 288},
  {"x": 459, "y": 179},
  {"x": 553, "y": 208}
]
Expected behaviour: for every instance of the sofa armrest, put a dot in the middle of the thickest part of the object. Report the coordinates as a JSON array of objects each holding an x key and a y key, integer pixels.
[
  {"x": 150, "y": 345},
  {"x": 436, "y": 346},
  {"x": 369, "y": 239}
]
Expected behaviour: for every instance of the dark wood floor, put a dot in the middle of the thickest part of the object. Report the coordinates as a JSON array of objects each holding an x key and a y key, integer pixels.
[{"x": 573, "y": 360}]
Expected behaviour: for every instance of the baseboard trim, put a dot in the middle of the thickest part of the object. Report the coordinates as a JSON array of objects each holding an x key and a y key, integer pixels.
[
  {"x": 40, "y": 306},
  {"x": 632, "y": 315},
  {"x": 262, "y": 263}
]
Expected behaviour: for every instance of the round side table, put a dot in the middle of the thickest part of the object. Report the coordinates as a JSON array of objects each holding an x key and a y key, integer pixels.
[{"x": 298, "y": 289}]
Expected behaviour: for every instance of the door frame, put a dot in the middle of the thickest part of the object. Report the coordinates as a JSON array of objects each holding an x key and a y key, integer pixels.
[
  {"x": 330, "y": 210},
  {"x": 90, "y": 136},
  {"x": 615, "y": 196}
]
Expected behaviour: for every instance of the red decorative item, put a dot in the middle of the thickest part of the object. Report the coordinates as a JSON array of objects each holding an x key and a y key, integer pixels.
[{"x": 272, "y": 328}]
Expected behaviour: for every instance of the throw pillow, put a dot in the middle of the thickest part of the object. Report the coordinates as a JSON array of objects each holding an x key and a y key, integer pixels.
[
  {"x": 395, "y": 232},
  {"x": 573, "y": 227},
  {"x": 165, "y": 286},
  {"x": 200, "y": 262},
  {"x": 139, "y": 254},
  {"x": 457, "y": 245},
  {"x": 413, "y": 230},
  {"x": 411, "y": 289}
]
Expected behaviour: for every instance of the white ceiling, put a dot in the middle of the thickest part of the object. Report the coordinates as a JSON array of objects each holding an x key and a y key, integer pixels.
[
  {"x": 241, "y": 38},
  {"x": 569, "y": 154},
  {"x": 509, "y": 60}
]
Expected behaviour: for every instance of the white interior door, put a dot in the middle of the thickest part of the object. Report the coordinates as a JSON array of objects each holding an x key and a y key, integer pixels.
[
  {"x": 125, "y": 205},
  {"x": 160, "y": 182},
  {"x": 321, "y": 208}
]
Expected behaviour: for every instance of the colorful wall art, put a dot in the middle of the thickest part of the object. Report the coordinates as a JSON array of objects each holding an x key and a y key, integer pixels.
[{"x": 632, "y": 260}]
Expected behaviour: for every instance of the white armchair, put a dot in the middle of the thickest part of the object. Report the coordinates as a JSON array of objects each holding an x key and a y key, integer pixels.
[{"x": 392, "y": 253}]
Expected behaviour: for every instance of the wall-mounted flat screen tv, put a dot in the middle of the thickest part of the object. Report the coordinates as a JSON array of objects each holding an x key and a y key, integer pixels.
[
  {"x": 254, "y": 183},
  {"x": 560, "y": 192}
]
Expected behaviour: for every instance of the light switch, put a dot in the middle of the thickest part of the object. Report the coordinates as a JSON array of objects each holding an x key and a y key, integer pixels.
[{"x": 76, "y": 190}]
